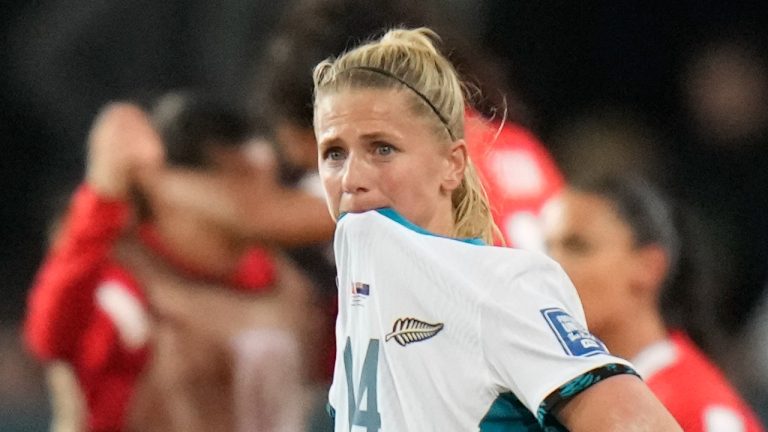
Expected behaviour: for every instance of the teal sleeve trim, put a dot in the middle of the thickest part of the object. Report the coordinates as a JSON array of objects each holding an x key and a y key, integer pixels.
[
  {"x": 508, "y": 414},
  {"x": 575, "y": 386}
]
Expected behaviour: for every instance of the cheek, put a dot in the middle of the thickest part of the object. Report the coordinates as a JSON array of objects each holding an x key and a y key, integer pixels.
[
  {"x": 596, "y": 297},
  {"x": 410, "y": 181},
  {"x": 406, "y": 192},
  {"x": 593, "y": 278},
  {"x": 603, "y": 290},
  {"x": 390, "y": 183},
  {"x": 331, "y": 184}
]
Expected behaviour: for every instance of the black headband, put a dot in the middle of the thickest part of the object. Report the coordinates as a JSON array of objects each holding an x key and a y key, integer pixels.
[{"x": 386, "y": 73}]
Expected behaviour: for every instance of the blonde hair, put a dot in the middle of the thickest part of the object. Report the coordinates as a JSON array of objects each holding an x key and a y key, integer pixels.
[{"x": 409, "y": 58}]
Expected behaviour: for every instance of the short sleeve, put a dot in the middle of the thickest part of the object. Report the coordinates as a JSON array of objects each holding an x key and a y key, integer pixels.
[{"x": 536, "y": 343}]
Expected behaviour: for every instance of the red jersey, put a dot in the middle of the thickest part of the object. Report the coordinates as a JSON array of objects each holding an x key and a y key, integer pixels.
[
  {"x": 518, "y": 174},
  {"x": 693, "y": 389},
  {"x": 87, "y": 310}
]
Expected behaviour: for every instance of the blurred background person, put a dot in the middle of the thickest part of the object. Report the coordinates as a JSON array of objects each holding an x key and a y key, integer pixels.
[
  {"x": 645, "y": 295},
  {"x": 90, "y": 311},
  {"x": 63, "y": 320},
  {"x": 210, "y": 374},
  {"x": 66, "y": 398}
]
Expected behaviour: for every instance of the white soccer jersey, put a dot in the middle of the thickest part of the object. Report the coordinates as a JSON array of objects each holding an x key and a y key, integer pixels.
[{"x": 438, "y": 334}]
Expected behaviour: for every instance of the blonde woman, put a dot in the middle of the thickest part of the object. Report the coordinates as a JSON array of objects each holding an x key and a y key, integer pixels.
[{"x": 437, "y": 331}]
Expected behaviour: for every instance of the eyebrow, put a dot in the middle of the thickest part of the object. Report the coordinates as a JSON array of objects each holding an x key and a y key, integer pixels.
[
  {"x": 375, "y": 136},
  {"x": 328, "y": 143},
  {"x": 372, "y": 136}
]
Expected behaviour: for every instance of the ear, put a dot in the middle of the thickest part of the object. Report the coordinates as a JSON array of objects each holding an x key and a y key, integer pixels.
[
  {"x": 651, "y": 270},
  {"x": 455, "y": 165}
]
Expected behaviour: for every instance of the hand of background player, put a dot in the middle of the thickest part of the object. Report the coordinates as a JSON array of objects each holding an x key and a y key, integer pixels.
[{"x": 121, "y": 144}]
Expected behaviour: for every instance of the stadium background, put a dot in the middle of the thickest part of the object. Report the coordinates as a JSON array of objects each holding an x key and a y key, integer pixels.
[{"x": 621, "y": 65}]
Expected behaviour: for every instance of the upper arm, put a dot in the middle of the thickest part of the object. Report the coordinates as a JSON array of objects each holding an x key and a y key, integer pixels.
[
  {"x": 260, "y": 210},
  {"x": 621, "y": 403},
  {"x": 536, "y": 324},
  {"x": 60, "y": 303}
]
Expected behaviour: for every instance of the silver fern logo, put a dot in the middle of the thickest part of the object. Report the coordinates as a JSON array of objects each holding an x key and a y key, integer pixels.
[{"x": 410, "y": 330}]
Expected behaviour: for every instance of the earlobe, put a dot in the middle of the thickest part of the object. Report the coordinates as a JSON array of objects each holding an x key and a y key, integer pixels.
[{"x": 456, "y": 164}]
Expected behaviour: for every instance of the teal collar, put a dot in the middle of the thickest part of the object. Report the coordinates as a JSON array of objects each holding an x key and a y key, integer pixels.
[{"x": 392, "y": 214}]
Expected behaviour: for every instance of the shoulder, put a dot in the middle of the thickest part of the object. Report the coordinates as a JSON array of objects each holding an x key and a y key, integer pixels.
[
  {"x": 524, "y": 271},
  {"x": 521, "y": 283}
]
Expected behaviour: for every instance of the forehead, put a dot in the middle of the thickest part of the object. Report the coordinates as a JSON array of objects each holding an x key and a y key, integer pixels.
[
  {"x": 575, "y": 208},
  {"x": 363, "y": 109}
]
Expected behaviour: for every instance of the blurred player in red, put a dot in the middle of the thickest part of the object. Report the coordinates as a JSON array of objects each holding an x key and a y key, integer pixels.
[
  {"x": 630, "y": 259},
  {"x": 88, "y": 310},
  {"x": 518, "y": 174}
]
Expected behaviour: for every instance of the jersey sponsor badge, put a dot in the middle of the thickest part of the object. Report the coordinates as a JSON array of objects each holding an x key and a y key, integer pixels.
[
  {"x": 409, "y": 330},
  {"x": 574, "y": 338}
]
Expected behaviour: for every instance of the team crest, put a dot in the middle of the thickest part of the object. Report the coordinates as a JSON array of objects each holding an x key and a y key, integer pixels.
[
  {"x": 409, "y": 330},
  {"x": 574, "y": 338}
]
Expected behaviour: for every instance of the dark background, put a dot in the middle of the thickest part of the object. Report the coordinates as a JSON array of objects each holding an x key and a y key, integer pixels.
[{"x": 61, "y": 60}]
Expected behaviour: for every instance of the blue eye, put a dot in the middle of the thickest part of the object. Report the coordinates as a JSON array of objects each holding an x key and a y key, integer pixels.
[
  {"x": 334, "y": 154},
  {"x": 384, "y": 150}
]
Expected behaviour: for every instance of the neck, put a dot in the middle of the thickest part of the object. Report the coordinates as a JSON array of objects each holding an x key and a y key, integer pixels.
[{"x": 442, "y": 223}]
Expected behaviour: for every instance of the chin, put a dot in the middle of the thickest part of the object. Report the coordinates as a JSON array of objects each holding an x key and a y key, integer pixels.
[{"x": 359, "y": 208}]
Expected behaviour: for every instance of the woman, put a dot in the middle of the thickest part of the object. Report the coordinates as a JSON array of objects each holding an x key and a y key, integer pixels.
[
  {"x": 436, "y": 331},
  {"x": 617, "y": 240}
]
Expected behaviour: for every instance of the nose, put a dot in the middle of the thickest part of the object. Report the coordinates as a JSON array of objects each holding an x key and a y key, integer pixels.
[{"x": 356, "y": 176}]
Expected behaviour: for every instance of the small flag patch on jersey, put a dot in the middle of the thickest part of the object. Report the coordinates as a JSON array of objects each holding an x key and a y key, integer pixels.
[
  {"x": 360, "y": 292},
  {"x": 574, "y": 338},
  {"x": 410, "y": 330},
  {"x": 359, "y": 288}
]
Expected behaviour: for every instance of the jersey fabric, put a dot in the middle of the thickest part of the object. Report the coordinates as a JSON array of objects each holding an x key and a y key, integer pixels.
[
  {"x": 693, "y": 389},
  {"x": 439, "y": 334},
  {"x": 89, "y": 311},
  {"x": 518, "y": 174}
]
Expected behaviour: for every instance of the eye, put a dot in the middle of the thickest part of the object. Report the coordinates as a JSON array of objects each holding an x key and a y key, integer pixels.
[
  {"x": 577, "y": 245},
  {"x": 334, "y": 154},
  {"x": 384, "y": 149}
]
